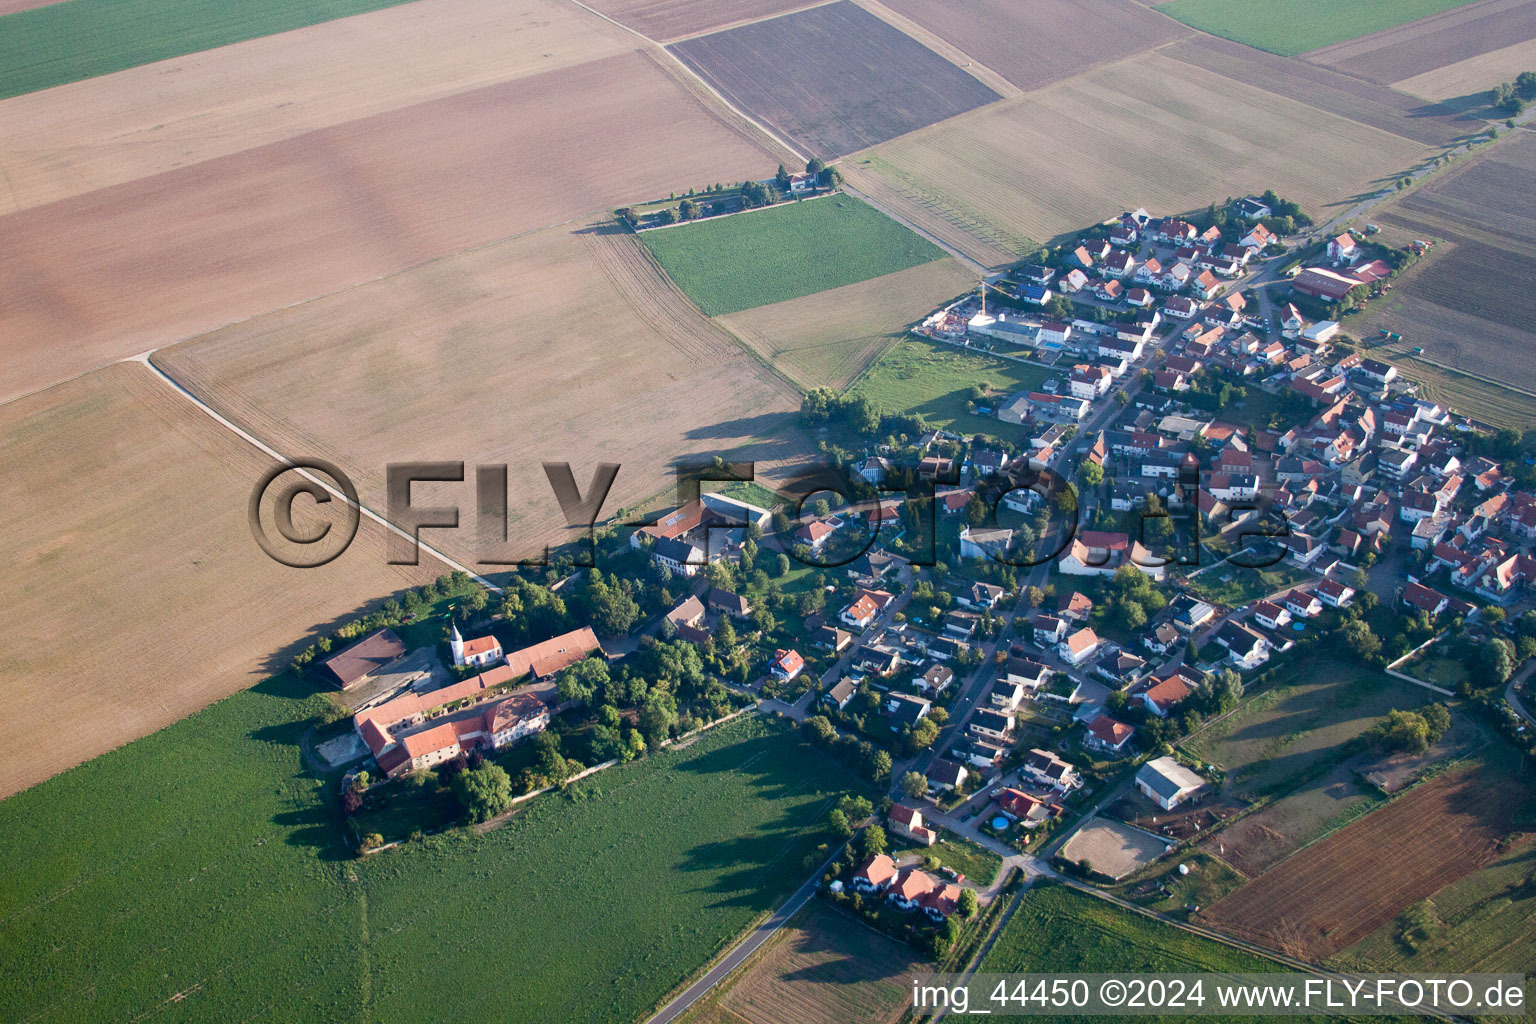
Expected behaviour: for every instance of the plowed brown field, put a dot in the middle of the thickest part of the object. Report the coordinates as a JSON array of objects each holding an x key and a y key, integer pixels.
[
  {"x": 150, "y": 262},
  {"x": 1338, "y": 890},
  {"x": 134, "y": 593},
  {"x": 1037, "y": 43},
  {"x": 1434, "y": 42},
  {"x": 666, "y": 20}
]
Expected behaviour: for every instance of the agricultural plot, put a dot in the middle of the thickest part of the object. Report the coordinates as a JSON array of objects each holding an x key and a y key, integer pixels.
[
  {"x": 925, "y": 377},
  {"x": 135, "y": 266},
  {"x": 136, "y": 594},
  {"x": 1289, "y": 27},
  {"x": 1033, "y": 169},
  {"x": 1463, "y": 32},
  {"x": 216, "y": 897},
  {"x": 556, "y": 346},
  {"x": 1471, "y": 77},
  {"x": 728, "y": 264},
  {"x": 666, "y": 20},
  {"x": 1469, "y": 305},
  {"x": 1342, "y": 888},
  {"x": 823, "y": 967},
  {"x": 1065, "y": 931},
  {"x": 1484, "y": 922},
  {"x": 1325, "y": 88},
  {"x": 1035, "y": 44},
  {"x": 77, "y": 138},
  {"x": 832, "y": 79},
  {"x": 55, "y": 44},
  {"x": 828, "y": 339}
]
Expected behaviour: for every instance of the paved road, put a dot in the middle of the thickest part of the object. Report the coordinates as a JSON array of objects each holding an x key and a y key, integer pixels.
[
  {"x": 761, "y": 934},
  {"x": 1512, "y": 693}
]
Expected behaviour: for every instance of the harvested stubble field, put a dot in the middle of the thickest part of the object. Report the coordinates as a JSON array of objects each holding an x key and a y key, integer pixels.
[
  {"x": 59, "y": 43},
  {"x": 823, "y": 967},
  {"x": 1340, "y": 889},
  {"x": 828, "y": 339},
  {"x": 1470, "y": 303},
  {"x": 1463, "y": 32},
  {"x": 1470, "y": 78},
  {"x": 783, "y": 252},
  {"x": 226, "y": 891},
  {"x": 135, "y": 593},
  {"x": 1326, "y": 89},
  {"x": 1166, "y": 134},
  {"x": 142, "y": 264},
  {"x": 1289, "y": 27},
  {"x": 1035, "y": 44},
  {"x": 832, "y": 79},
  {"x": 92, "y": 134},
  {"x": 557, "y": 346},
  {"x": 666, "y": 20}
]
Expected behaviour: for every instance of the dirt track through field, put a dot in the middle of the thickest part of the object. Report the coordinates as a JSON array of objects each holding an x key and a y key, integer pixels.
[{"x": 135, "y": 593}]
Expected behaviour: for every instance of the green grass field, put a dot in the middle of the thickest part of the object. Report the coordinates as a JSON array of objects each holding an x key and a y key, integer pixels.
[
  {"x": 198, "y": 875},
  {"x": 1062, "y": 931},
  {"x": 751, "y": 259},
  {"x": 1235, "y": 585},
  {"x": 1289, "y": 27},
  {"x": 65, "y": 42},
  {"x": 1305, "y": 717},
  {"x": 919, "y": 376}
]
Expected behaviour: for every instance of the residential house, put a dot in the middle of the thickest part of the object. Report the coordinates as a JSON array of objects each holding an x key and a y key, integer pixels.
[
  {"x": 1047, "y": 769},
  {"x": 908, "y": 822},
  {"x": 1108, "y": 735},
  {"x": 786, "y": 665},
  {"x": 1079, "y": 647}
]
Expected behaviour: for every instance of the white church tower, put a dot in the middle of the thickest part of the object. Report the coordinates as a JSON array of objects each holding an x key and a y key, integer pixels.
[{"x": 456, "y": 645}]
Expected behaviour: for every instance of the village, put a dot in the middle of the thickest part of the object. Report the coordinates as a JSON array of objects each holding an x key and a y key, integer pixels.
[{"x": 1248, "y": 486}]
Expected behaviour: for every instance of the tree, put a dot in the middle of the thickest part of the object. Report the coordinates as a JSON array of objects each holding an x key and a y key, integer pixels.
[
  {"x": 483, "y": 792},
  {"x": 914, "y": 784},
  {"x": 782, "y": 179},
  {"x": 837, "y": 824},
  {"x": 1403, "y": 730},
  {"x": 688, "y": 210},
  {"x": 820, "y": 730},
  {"x": 872, "y": 842},
  {"x": 634, "y": 745},
  {"x": 782, "y": 564},
  {"x": 583, "y": 680},
  {"x": 922, "y": 736},
  {"x": 1497, "y": 659},
  {"x": 969, "y": 904},
  {"x": 878, "y": 765},
  {"x": 1091, "y": 473},
  {"x": 815, "y": 166}
]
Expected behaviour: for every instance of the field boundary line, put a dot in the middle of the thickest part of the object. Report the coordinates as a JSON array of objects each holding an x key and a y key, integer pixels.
[
  {"x": 679, "y": 62},
  {"x": 143, "y": 358},
  {"x": 744, "y": 22}
]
